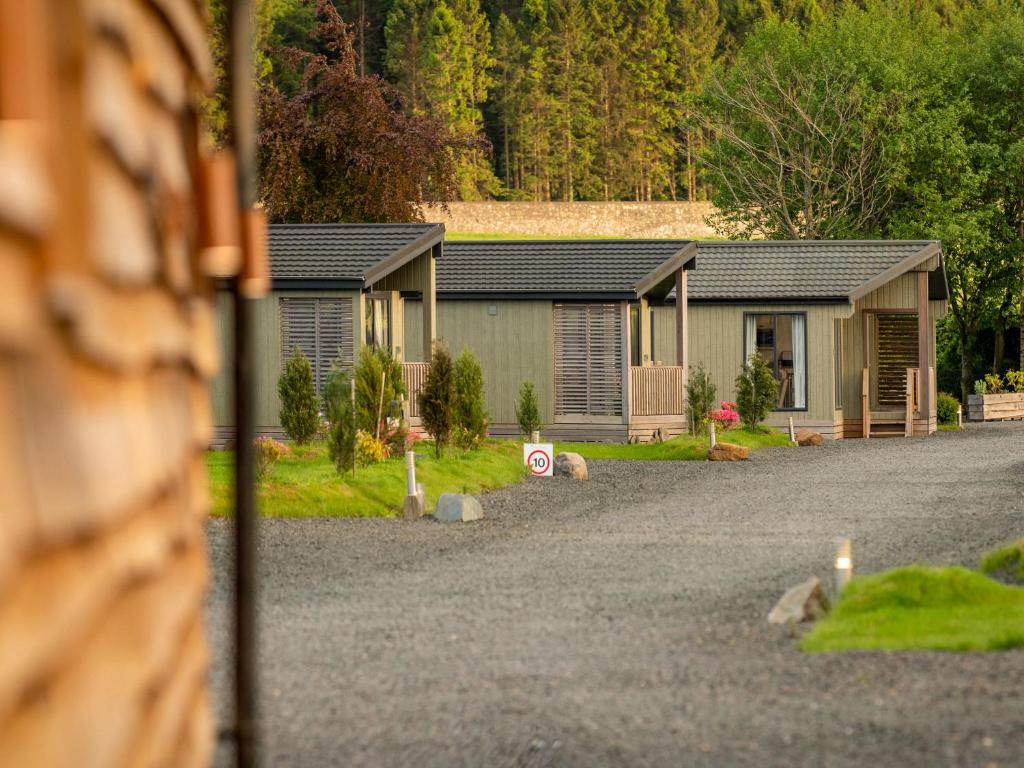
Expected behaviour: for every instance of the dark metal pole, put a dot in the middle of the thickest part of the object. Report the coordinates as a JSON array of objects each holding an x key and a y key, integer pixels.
[{"x": 243, "y": 128}]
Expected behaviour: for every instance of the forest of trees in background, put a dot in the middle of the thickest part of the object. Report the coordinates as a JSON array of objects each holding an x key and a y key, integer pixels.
[{"x": 550, "y": 99}]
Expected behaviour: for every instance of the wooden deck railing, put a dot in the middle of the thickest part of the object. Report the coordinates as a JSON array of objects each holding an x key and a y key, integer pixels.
[
  {"x": 413, "y": 376},
  {"x": 657, "y": 390},
  {"x": 913, "y": 399}
]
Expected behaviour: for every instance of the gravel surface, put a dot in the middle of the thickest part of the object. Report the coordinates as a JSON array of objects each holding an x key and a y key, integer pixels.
[{"x": 622, "y": 621}]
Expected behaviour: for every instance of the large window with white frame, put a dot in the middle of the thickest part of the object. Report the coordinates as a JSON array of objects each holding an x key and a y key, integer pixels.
[{"x": 780, "y": 339}]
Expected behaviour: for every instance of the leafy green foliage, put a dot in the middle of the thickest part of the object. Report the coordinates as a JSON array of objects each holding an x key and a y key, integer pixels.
[
  {"x": 756, "y": 392},
  {"x": 379, "y": 388},
  {"x": 1015, "y": 380},
  {"x": 994, "y": 384},
  {"x": 701, "y": 399},
  {"x": 528, "y": 410},
  {"x": 437, "y": 399},
  {"x": 299, "y": 415},
  {"x": 946, "y": 407},
  {"x": 369, "y": 449},
  {"x": 470, "y": 406},
  {"x": 922, "y": 608}
]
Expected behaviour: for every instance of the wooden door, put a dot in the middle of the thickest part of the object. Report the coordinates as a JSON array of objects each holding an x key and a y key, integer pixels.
[
  {"x": 588, "y": 360},
  {"x": 895, "y": 351}
]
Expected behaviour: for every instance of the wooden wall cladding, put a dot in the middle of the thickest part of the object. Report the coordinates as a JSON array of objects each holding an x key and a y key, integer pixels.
[{"x": 107, "y": 345}]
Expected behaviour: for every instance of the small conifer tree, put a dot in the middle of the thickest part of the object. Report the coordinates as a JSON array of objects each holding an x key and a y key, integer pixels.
[
  {"x": 470, "y": 408},
  {"x": 299, "y": 415},
  {"x": 437, "y": 399},
  {"x": 337, "y": 404},
  {"x": 756, "y": 391},
  {"x": 528, "y": 409}
]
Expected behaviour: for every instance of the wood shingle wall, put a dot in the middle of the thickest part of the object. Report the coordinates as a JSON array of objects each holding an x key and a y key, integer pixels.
[{"x": 107, "y": 342}]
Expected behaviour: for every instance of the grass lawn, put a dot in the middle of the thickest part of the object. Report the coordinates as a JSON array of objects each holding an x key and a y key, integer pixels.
[
  {"x": 682, "y": 448},
  {"x": 922, "y": 608},
  {"x": 948, "y": 428},
  {"x": 305, "y": 483}
]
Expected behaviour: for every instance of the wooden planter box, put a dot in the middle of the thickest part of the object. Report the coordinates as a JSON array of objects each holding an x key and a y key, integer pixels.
[{"x": 995, "y": 407}]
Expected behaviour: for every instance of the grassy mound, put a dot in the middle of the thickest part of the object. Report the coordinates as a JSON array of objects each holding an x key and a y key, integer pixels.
[
  {"x": 682, "y": 448},
  {"x": 922, "y": 608},
  {"x": 305, "y": 483},
  {"x": 1006, "y": 562}
]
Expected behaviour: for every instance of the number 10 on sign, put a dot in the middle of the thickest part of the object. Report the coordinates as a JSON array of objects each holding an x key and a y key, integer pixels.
[{"x": 539, "y": 458}]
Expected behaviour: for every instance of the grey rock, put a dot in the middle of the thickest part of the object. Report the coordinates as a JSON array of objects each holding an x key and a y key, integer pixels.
[
  {"x": 571, "y": 465},
  {"x": 804, "y": 602},
  {"x": 458, "y": 507}
]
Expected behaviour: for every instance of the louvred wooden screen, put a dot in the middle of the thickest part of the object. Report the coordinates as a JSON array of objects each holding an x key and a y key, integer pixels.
[{"x": 588, "y": 360}]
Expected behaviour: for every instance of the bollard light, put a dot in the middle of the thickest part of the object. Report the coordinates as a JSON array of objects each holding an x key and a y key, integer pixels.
[
  {"x": 843, "y": 564},
  {"x": 711, "y": 435},
  {"x": 792, "y": 432}
]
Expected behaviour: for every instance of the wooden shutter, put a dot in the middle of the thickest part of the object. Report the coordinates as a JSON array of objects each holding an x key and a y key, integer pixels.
[
  {"x": 335, "y": 337},
  {"x": 322, "y": 329},
  {"x": 588, "y": 360},
  {"x": 896, "y": 342}
]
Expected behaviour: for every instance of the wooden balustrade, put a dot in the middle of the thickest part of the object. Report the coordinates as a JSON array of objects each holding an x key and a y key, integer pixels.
[
  {"x": 413, "y": 376},
  {"x": 657, "y": 390}
]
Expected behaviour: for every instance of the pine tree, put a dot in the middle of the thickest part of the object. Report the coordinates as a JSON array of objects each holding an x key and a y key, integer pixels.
[
  {"x": 298, "y": 414},
  {"x": 610, "y": 32},
  {"x": 437, "y": 398},
  {"x": 470, "y": 405},
  {"x": 405, "y": 33},
  {"x": 508, "y": 95},
  {"x": 535, "y": 117},
  {"x": 571, "y": 87}
]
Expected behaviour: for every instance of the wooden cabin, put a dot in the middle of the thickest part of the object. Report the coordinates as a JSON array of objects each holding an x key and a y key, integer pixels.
[
  {"x": 335, "y": 287},
  {"x": 574, "y": 317},
  {"x": 848, "y": 327}
]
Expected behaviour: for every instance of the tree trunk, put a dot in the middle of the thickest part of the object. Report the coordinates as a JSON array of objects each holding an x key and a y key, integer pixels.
[
  {"x": 966, "y": 362},
  {"x": 999, "y": 346}
]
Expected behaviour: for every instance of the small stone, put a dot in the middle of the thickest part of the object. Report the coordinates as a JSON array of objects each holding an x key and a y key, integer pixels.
[
  {"x": 804, "y": 602},
  {"x": 458, "y": 507},
  {"x": 728, "y": 452},
  {"x": 571, "y": 465},
  {"x": 807, "y": 437}
]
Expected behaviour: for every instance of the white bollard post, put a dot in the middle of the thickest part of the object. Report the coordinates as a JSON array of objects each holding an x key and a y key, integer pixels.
[
  {"x": 410, "y": 473},
  {"x": 792, "y": 432},
  {"x": 843, "y": 565},
  {"x": 711, "y": 435},
  {"x": 535, "y": 436}
]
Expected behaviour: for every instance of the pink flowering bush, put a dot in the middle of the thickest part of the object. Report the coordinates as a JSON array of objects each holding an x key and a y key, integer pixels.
[{"x": 726, "y": 417}]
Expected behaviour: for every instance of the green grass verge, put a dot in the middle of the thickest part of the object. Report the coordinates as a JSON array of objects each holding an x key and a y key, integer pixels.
[
  {"x": 305, "y": 483},
  {"x": 682, "y": 448},
  {"x": 1006, "y": 562},
  {"x": 922, "y": 608},
  {"x": 948, "y": 428}
]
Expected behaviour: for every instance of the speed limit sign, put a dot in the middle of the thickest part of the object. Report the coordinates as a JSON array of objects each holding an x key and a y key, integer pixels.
[{"x": 539, "y": 458}]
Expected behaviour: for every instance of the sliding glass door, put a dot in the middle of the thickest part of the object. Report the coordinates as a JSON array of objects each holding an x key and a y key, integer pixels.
[{"x": 780, "y": 339}]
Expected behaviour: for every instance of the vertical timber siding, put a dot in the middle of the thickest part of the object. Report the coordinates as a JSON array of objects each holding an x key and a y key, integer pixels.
[
  {"x": 106, "y": 350},
  {"x": 513, "y": 345}
]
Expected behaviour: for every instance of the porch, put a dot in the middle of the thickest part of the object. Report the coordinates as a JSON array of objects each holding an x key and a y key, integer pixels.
[
  {"x": 657, "y": 400},
  {"x": 910, "y": 420}
]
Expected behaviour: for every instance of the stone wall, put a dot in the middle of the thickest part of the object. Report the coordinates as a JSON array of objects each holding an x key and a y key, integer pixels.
[
  {"x": 106, "y": 347},
  {"x": 615, "y": 219}
]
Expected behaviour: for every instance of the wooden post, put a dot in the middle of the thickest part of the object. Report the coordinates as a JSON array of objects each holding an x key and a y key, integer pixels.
[
  {"x": 352, "y": 387},
  {"x": 924, "y": 350},
  {"x": 865, "y": 400},
  {"x": 712, "y": 442},
  {"x": 682, "y": 320},
  {"x": 627, "y": 358},
  {"x": 908, "y": 426},
  {"x": 380, "y": 401},
  {"x": 429, "y": 303},
  {"x": 644, "y": 331}
]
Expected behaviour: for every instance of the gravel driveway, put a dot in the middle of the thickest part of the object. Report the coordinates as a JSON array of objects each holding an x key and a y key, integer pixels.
[{"x": 622, "y": 621}]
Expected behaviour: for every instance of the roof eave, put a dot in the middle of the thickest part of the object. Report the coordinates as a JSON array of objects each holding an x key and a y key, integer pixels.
[
  {"x": 404, "y": 255},
  {"x": 931, "y": 249},
  {"x": 682, "y": 259}
]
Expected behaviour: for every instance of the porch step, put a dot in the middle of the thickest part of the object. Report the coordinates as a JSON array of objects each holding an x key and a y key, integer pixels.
[{"x": 888, "y": 428}]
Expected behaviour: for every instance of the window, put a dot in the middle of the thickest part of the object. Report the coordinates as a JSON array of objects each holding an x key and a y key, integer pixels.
[
  {"x": 837, "y": 351},
  {"x": 634, "y": 335},
  {"x": 781, "y": 341},
  {"x": 322, "y": 329},
  {"x": 378, "y": 322}
]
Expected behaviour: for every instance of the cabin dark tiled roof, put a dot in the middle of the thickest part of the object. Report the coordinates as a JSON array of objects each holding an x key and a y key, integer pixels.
[
  {"x": 342, "y": 251},
  {"x": 800, "y": 270},
  {"x": 550, "y": 267}
]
